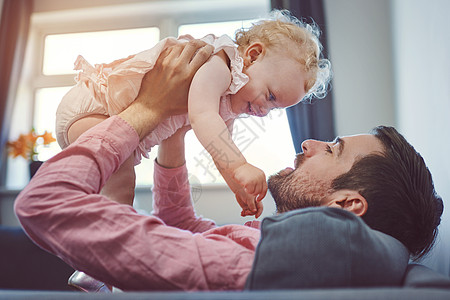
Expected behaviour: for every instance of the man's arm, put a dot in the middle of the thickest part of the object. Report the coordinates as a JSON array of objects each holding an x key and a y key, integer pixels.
[
  {"x": 172, "y": 201},
  {"x": 62, "y": 211}
]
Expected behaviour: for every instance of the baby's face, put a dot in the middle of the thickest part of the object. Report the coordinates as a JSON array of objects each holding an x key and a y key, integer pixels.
[{"x": 276, "y": 81}]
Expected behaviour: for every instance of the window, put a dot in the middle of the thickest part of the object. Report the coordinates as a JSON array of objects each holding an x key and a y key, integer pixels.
[
  {"x": 62, "y": 36},
  {"x": 60, "y": 53},
  {"x": 61, "y": 50}
]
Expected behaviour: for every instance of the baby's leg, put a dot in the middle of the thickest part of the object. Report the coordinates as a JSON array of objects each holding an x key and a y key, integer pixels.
[{"x": 120, "y": 186}]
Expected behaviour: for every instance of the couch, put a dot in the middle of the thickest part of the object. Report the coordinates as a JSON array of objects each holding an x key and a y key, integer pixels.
[
  {"x": 317, "y": 253},
  {"x": 25, "y": 266}
]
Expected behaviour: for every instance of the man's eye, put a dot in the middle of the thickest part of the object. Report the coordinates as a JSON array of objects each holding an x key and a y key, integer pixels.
[{"x": 328, "y": 149}]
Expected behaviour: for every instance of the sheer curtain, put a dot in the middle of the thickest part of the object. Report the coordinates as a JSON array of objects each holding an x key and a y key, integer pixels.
[
  {"x": 14, "y": 25},
  {"x": 310, "y": 120}
]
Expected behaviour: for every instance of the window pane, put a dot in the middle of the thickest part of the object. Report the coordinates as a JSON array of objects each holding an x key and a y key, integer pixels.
[
  {"x": 219, "y": 28},
  {"x": 265, "y": 142},
  {"x": 61, "y": 50},
  {"x": 144, "y": 171},
  {"x": 46, "y": 103}
]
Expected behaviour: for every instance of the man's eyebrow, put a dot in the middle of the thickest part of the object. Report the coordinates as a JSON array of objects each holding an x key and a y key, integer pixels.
[{"x": 341, "y": 146}]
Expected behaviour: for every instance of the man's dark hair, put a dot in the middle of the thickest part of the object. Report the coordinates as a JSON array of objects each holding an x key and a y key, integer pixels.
[{"x": 399, "y": 191}]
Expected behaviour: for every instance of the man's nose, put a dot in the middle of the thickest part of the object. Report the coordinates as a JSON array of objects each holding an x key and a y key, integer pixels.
[{"x": 312, "y": 147}]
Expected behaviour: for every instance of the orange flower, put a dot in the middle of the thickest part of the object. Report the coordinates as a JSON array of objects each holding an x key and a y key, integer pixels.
[
  {"x": 31, "y": 137},
  {"x": 48, "y": 137},
  {"x": 26, "y": 144},
  {"x": 20, "y": 147}
]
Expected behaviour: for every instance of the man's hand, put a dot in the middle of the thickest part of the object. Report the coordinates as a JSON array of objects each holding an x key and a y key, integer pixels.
[{"x": 164, "y": 89}]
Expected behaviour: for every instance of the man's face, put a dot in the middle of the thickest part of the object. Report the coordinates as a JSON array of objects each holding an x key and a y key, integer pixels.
[{"x": 309, "y": 183}]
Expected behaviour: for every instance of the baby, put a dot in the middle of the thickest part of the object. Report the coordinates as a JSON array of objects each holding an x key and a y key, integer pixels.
[{"x": 274, "y": 64}]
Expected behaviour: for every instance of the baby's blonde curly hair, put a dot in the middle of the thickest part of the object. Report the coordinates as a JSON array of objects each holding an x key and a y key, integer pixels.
[{"x": 273, "y": 31}]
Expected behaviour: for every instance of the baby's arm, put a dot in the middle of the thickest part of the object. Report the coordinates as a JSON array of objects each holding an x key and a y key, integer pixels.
[
  {"x": 209, "y": 83},
  {"x": 242, "y": 183}
]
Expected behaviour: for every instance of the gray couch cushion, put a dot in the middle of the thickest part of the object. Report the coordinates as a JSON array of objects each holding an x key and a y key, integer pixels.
[
  {"x": 420, "y": 276},
  {"x": 325, "y": 247}
]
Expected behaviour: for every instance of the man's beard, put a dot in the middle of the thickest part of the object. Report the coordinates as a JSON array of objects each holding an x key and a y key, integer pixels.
[{"x": 294, "y": 191}]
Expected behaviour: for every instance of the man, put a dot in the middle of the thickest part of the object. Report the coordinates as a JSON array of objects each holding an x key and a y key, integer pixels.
[
  {"x": 62, "y": 211},
  {"x": 379, "y": 177}
]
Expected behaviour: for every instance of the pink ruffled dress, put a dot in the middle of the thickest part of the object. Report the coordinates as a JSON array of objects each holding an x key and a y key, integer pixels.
[{"x": 107, "y": 89}]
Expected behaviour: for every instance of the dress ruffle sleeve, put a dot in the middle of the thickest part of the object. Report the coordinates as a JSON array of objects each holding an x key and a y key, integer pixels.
[{"x": 239, "y": 79}]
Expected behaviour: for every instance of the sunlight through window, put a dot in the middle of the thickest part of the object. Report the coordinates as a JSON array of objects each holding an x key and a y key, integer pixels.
[{"x": 61, "y": 50}]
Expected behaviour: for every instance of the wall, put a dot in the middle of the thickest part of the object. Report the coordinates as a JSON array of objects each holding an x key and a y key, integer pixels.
[
  {"x": 359, "y": 40},
  {"x": 392, "y": 67},
  {"x": 422, "y": 75},
  {"x": 7, "y": 216}
]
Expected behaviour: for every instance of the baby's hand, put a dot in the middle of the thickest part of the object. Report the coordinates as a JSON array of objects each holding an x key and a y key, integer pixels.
[
  {"x": 249, "y": 204},
  {"x": 252, "y": 179}
]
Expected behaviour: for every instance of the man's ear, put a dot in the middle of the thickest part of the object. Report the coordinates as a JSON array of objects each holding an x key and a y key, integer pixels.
[
  {"x": 253, "y": 52},
  {"x": 349, "y": 200}
]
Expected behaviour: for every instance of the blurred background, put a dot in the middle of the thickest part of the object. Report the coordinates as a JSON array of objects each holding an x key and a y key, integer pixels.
[{"x": 390, "y": 60}]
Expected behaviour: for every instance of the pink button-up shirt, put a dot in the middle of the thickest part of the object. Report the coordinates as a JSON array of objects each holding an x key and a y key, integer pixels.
[{"x": 62, "y": 211}]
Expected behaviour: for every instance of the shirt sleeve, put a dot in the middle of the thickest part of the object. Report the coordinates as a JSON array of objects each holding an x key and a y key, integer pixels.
[
  {"x": 172, "y": 200},
  {"x": 63, "y": 213}
]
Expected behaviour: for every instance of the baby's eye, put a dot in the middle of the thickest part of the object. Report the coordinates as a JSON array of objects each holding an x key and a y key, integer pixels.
[
  {"x": 271, "y": 97},
  {"x": 328, "y": 149}
]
